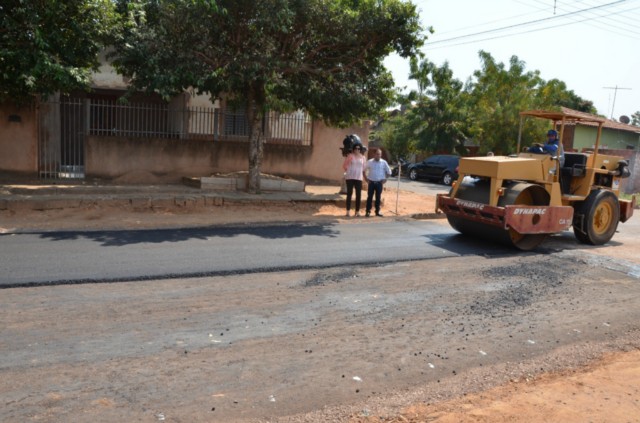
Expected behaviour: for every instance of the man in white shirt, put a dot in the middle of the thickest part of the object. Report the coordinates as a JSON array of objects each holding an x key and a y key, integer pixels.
[{"x": 377, "y": 171}]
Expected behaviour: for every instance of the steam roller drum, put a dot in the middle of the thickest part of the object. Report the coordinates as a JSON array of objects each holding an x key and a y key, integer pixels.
[{"x": 516, "y": 193}]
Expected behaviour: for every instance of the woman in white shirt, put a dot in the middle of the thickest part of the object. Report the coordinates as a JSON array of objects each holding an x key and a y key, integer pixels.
[{"x": 354, "y": 166}]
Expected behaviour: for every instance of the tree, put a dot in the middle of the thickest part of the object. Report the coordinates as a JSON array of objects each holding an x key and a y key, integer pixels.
[
  {"x": 439, "y": 112},
  {"x": 396, "y": 135},
  {"x": 433, "y": 117},
  {"x": 555, "y": 93},
  {"x": 635, "y": 118},
  {"x": 323, "y": 56},
  {"x": 442, "y": 113},
  {"x": 497, "y": 96},
  {"x": 48, "y": 46}
]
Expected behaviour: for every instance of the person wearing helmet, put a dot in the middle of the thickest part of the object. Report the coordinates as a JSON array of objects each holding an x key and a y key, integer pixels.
[
  {"x": 350, "y": 142},
  {"x": 354, "y": 167},
  {"x": 552, "y": 146}
]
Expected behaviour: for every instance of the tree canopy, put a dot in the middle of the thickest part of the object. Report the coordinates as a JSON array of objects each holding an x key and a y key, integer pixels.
[
  {"x": 432, "y": 118},
  {"x": 497, "y": 95},
  {"x": 50, "y": 45},
  {"x": 323, "y": 56},
  {"x": 443, "y": 113}
]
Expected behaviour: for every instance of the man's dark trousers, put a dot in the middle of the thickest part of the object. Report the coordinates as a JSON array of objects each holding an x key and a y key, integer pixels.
[{"x": 374, "y": 186}]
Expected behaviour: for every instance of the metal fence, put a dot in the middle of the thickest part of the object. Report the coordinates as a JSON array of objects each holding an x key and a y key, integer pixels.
[
  {"x": 61, "y": 130},
  {"x": 64, "y": 124},
  {"x": 164, "y": 121}
]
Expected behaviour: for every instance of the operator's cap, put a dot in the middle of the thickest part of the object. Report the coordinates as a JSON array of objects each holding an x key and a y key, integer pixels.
[{"x": 552, "y": 132}]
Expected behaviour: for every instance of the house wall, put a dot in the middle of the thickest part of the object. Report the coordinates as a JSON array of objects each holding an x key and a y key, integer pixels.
[
  {"x": 151, "y": 160},
  {"x": 158, "y": 160},
  {"x": 18, "y": 140},
  {"x": 617, "y": 140},
  {"x": 107, "y": 77},
  {"x": 585, "y": 137},
  {"x": 567, "y": 138},
  {"x": 613, "y": 142},
  {"x": 631, "y": 184},
  {"x": 326, "y": 157}
]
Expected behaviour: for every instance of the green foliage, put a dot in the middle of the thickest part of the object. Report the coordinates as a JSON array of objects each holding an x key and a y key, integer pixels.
[
  {"x": 322, "y": 56},
  {"x": 499, "y": 93},
  {"x": 635, "y": 118},
  {"x": 442, "y": 113},
  {"x": 396, "y": 136},
  {"x": 439, "y": 112},
  {"x": 433, "y": 120},
  {"x": 555, "y": 92},
  {"x": 497, "y": 96},
  {"x": 51, "y": 45}
]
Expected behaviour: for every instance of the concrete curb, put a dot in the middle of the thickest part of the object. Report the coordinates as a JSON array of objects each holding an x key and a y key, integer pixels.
[{"x": 17, "y": 203}]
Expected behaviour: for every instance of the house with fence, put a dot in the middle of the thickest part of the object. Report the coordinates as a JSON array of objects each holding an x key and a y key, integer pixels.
[
  {"x": 146, "y": 139},
  {"x": 616, "y": 139}
]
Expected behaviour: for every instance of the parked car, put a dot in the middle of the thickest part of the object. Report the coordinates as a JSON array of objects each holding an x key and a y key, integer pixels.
[
  {"x": 440, "y": 168},
  {"x": 401, "y": 163}
]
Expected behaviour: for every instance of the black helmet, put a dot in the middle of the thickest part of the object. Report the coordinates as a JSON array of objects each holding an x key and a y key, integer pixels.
[{"x": 351, "y": 141}]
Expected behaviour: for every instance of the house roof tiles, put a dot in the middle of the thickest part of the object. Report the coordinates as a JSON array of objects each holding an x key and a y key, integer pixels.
[
  {"x": 608, "y": 123},
  {"x": 575, "y": 117}
]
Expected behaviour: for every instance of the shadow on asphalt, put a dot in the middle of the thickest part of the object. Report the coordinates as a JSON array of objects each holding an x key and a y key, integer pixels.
[
  {"x": 467, "y": 245},
  {"x": 156, "y": 236}
]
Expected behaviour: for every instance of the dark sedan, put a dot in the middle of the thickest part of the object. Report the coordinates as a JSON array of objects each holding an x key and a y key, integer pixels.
[{"x": 440, "y": 168}]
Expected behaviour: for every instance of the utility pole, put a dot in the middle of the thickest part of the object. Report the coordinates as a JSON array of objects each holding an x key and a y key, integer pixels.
[{"x": 615, "y": 92}]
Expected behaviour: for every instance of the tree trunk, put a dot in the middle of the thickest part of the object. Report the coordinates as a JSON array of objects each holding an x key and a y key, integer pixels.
[{"x": 256, "y": 147}]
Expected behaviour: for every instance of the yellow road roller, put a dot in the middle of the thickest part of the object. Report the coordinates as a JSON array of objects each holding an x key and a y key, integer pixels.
[{"x": 523, "y": 198}]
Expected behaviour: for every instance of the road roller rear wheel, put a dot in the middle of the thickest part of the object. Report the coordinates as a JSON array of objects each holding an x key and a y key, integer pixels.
[
  {"x": 516, "y": 193},
  {"x": 596, "y": 218}
]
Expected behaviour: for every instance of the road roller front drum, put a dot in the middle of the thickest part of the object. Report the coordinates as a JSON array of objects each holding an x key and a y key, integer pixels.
[{"x": 515, "y": 193}]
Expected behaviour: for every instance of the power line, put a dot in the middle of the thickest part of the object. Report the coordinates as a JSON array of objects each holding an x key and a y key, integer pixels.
[
  {"x": 521, "y": 24},
  {"x": 429, "y": 47},
  {"x": 542, "y": 7},
  {"x": 482, "y": 24},
  {"x": 627, "y": 24},
  {"x": 629, "y": 18},
  {"x": 626, "y": 32}
]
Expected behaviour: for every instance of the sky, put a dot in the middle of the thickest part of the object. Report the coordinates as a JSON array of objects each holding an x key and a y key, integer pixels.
[{"x": 591, "y": 45}]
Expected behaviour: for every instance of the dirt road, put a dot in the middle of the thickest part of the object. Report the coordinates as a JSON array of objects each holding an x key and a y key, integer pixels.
[{"x": 523, "y": 337}]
